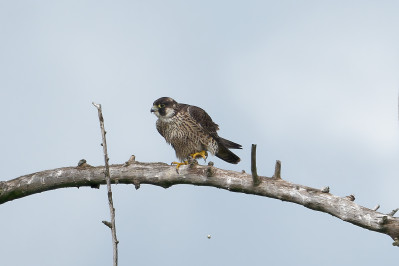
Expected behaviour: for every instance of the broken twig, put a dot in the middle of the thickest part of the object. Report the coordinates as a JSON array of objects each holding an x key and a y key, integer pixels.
[{"x": 255, "y": 176}]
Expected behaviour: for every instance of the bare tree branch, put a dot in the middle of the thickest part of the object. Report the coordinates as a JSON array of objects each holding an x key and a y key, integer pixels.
[
  {"x": 164, "y": 175},
  {"x": 111, "y": 224}
]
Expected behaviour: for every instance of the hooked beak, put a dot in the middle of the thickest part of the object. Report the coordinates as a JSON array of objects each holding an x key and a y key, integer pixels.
[{"x": 154, "y": 109}]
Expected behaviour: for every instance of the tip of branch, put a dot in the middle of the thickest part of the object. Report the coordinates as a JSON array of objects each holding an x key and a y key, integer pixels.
[
  {"x": 2, "y": 187},
  {"x": 376, "y": 207},
  {"x": 392, "y": 213},
  {"x": 98, "y": 106},
  {"x": 395, "y": 242}
]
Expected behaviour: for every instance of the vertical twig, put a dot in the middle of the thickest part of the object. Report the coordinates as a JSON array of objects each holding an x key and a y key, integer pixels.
[
  {"x": 255, "y": 176},
  {"x": 277, "y": 170},
  {"x": 107, "y": 177}
]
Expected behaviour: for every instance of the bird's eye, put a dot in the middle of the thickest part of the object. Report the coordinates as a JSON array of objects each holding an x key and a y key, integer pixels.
[{"x": 161, "y": 105}]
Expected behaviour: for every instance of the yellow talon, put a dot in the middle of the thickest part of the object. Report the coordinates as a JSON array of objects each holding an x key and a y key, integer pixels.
[
  {"x": 179, "y": 164},
  {"x": 203, "y": 154}
]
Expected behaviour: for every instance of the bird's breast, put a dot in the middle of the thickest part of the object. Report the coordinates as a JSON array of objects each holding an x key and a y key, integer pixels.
[
  {"x": 173, "y": 129},
  {"x": 185, "y": 135}
]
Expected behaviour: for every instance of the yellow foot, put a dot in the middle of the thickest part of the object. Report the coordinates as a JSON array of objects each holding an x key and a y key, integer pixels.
[
  {"x": 203, "y": 154},
  {"x": 179, "y": 164}
]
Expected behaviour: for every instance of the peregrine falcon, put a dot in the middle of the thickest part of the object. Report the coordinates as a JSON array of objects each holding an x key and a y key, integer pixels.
[{"x": 191, "y": 132}]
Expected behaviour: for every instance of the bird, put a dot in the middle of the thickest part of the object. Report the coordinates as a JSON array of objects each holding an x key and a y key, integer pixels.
[{"x": 191, "y": 132}]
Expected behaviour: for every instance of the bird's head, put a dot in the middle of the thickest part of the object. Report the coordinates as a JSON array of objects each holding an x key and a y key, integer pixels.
[{"x": 164, "y": 107}]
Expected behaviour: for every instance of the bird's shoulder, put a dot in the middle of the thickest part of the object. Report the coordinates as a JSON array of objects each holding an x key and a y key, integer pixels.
[{"x": 200, "y": 117}]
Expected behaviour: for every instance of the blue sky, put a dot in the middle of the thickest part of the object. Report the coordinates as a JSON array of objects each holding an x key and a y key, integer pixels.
[{"x": 313, "y": 83}]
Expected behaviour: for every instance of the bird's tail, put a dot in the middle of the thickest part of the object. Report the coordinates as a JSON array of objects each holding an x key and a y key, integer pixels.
[
  {"x": 226, "y": 155},
  {"x": 229, "y": 144}
]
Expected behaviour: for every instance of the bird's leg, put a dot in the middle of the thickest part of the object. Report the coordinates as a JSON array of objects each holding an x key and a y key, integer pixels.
[
  {"x": 203, "y": 154},
  {"x": 179, "y": 164}
]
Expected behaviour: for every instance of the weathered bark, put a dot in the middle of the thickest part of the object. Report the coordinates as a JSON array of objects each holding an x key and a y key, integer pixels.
[{"x": 163, "y": 175}]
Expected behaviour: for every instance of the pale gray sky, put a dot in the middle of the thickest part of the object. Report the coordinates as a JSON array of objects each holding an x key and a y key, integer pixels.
[{"x": 313, "y": 83}]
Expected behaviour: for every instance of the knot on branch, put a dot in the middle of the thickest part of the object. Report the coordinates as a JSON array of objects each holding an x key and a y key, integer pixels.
[
  {"x": 384, "y": 220},
  {"x": 325, "y": 189},
  {"x": 83, "y": 164},
  {"x": 136, "y": 184},
  {"x": 192, "y": 163},
  {"x": 210, "y": 171},
  {"x": 131, "y": 160},
  {"x": 351, "y": 197}
]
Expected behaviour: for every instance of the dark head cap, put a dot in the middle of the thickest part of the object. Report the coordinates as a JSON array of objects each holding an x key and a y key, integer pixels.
[
  {"x": 166, "y": 101},
  {"x": 163, "y": 107}
]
